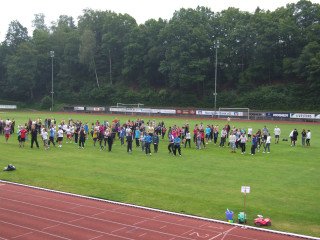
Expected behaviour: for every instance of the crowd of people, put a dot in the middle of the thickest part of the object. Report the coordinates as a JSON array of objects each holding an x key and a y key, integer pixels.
[{"x": 146, "y": 135}]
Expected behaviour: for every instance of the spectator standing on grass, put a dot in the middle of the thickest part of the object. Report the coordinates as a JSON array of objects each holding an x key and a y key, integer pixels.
[
  {"x": 277, "y": 133},
  {"x": 122, "y": 135},
  {"x": 232, "y": 142},
  {"x": 44, "y": 135},
  {"x": 148, "y": 141},
  {"x": 7, "y": 132},
  {"x": 308, "y": 138},
  {"x": 129, "y": 139},
  {"x": 267, "y": 144},
  {"x": 198, "y": 140},
  {"x": 254, "y": 144},
  {"x": 293, "y": 136},
  {"x": 303, "y": 137},
  {"x": 137, "y": 134},
  {"x": 110, "y": 139},
  {"x": 60, "y": 137},
  {"x": 52, "y": 135},
  {"x": 94, "y": 136},
  {"x": 250, "y": 130},
  {"x": 177, "y": 142},
  {"x": 23, "y": 135},
  {"x": 171, "y": 142},
  {"x": 155, "y": 140},
  {"x": 265, "y": 132},
  {"x": 215, "y": 134},
  {"x": 223, "y": 137},
  {"x": 188, "y": 139},
  {"x": 208, "y": 133},
  {"x": 163, "y": 131},
  {"x": 258, "y": 135},
  {"x": 82, "y": 137},
  {"x": 243, "y": 140},
  {"x": 142, "y": 141},
  {"x": 34, "y": 136}
]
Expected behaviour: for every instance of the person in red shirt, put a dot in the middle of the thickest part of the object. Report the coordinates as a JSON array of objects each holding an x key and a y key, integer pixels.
[{"x": 23, "y": 134}]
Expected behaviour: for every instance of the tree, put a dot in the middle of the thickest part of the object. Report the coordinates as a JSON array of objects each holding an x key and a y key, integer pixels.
[
  {"x": 21, "y": 70},
  {"x": 87, "y": 51},
  {"x": 16, "y": 35}
]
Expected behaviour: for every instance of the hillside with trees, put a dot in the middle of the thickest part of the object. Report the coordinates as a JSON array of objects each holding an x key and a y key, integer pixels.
[{"x": 266, "y": 59}]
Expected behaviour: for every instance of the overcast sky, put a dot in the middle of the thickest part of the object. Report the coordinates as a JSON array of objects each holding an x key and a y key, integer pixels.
[{"x": 141, "y": 10}]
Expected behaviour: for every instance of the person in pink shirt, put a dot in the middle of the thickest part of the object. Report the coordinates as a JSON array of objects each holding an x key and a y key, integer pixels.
[{"x": 7, "y": 132}]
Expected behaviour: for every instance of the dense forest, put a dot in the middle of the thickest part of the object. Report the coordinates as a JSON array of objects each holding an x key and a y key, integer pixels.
[{"x": 265, "y": 60}]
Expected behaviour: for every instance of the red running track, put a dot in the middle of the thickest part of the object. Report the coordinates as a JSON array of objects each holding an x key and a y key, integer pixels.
[{"x": 31, "y": 213}]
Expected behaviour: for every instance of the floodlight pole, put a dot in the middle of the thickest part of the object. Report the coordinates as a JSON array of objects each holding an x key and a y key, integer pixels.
[
  {"x": 216, "y": 46},
  {"x": 52, "y": 56}
]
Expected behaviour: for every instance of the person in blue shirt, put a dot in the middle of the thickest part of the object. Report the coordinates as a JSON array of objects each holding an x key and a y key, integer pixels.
[
  {"x": 208, "y": 133},
  {"x": 147, "y": 142},
  {"x": 254, "y": 144},
  {"x": 122, "y": 135},
  {"x": 52, "y": 135},
  {"x": 176, "y": 144},
  {"x": 137, "y": 134}
]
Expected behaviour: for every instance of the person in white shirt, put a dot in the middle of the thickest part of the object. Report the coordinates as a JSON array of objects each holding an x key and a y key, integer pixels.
[
  {"x": 60, "y": 137},
  {"x": 277, "y": 133},
  {"x": 250, "y": 130},
  {"x": 44, "y": 135},
  {"x": 243, "y": 140},
  {"x": 268, "y": 142},
  {"x": 232, "y": 141},
  {"x": 68, "y": 133},
  {"x": 308, "y": 138},
  {"x": 188, "y": 139},
  {"x": 129, "y": 139}
]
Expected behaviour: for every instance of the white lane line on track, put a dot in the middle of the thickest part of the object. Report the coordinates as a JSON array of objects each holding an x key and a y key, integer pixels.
[
  {"x": 96, "y": 237},
  {"x": 224, "y": 234},
  {"x": 179, "y": 224},
  {"x": 22, "y": 235},
  {"x": 110, "y": 202},
  {"x": 141, "y": 228},
  {"x": 34, "y": 230},
  {"x": 103, "y": 220}
]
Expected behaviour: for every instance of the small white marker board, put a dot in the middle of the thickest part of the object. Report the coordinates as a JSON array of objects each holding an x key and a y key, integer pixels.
[{"x": 245, "y": 189}]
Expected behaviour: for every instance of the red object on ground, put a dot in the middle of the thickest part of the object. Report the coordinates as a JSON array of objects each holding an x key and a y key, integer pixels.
[{"x": 260, "y": 221}]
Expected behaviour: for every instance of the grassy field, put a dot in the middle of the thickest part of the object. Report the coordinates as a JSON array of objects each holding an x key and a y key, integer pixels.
[{"x": 285, "y": 184}]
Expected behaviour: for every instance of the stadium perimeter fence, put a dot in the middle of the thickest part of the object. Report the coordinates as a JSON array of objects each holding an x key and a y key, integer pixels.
[{"x": 222, "y": 113}]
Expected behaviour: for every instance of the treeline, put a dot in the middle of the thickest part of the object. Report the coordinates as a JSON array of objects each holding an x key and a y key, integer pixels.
[{"x": 266, "y": 59}]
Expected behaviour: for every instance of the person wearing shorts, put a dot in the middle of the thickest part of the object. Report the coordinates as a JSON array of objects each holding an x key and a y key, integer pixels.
[
  {"x": 23, "y": 134},
  {"x": 277, "y": 133}
]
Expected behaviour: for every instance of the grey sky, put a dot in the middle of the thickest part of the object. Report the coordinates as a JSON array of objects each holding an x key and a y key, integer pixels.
[{"x": 141, "y": 10}]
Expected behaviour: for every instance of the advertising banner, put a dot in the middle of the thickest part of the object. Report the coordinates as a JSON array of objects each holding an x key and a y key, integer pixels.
[
  {"x": 142, "y": 110},
  {"x": 78, "y": 108},
  {"x": 186, "y": 111},
  {"x": 96, "y": 109},
  {"x": 217, "y": 113},
  {"x": 8, "y": 106},
  {"x": 302, "y": 115},
  {"x": 278, "y": 115}
]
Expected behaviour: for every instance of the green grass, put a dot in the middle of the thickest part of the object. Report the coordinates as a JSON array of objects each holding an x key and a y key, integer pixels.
[{"x": 285, "y": 184}]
